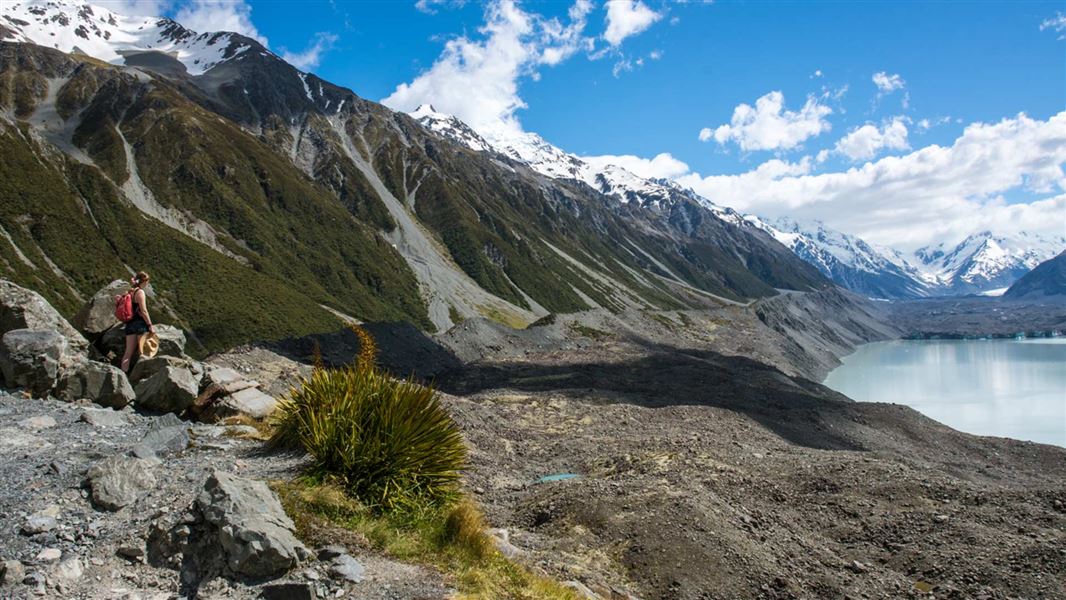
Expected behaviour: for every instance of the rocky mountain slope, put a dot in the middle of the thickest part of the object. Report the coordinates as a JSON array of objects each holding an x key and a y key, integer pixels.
[
  {"x": 985, "y": 261},
  {"x": 1047, "y": 279},
  {"x": 253, "y": 186}
]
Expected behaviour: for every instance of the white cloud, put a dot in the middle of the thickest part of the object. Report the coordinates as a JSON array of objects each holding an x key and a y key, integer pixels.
[
  {"x": 626, "y": 18},
  {"x": 662, "y": 166},
  {"x": 886, "y": 84},
  {"x": 769, "y": 126},
  {"x": 430, "y": 6},
  {"x": 220, "y": 15},
  {"x": 1056, "y": 24},
  {"x": 932, "y": 194},
  {"x": 655, "y": 54},
  {"x": 477, "y": 80},
  {"x": 310, "y": 57},
  {"x": 865, "y": 142},
  {"x": 139, "y": 8},
  {"x": 817, "y": 74}
]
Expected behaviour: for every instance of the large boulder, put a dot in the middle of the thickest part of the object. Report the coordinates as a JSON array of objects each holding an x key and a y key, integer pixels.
[
  {"x": 98, "y": 314},
  {"x": 21, "y": 308},
  {"x": 102, "y": 383},
  {"x": 171, "y": 340},
  {"x": 250, "y": 402},
  {"x": 170, "y": 389},
  {"x": 31, "y": 359},
  {"x": 249, "y": 525},
  {"x": 145, "y": 368},
  {"x": 119, "y": 481}
]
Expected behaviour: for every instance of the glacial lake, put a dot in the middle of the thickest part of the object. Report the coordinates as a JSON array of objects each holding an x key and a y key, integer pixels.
[{"x": 1004, "y": 388}]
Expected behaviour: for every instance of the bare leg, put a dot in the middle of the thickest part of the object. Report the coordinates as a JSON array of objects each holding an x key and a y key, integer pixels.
[{"x": 131, "y": 348}]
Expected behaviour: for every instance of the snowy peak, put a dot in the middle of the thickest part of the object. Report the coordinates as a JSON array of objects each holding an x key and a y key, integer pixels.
[
  {"x": 450, "y": 127},
  {"x": 985, "y": 261},
  {"x": 78, "y": 27}
]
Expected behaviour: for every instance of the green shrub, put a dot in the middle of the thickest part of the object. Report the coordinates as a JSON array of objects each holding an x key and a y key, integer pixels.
[{"x": 389, "y": 443}]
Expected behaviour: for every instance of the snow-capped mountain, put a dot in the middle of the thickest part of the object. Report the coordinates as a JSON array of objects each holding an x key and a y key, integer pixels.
[
  {"x": 78, "y": 27},
  {"x": 874, "y": 271},
  {"x": 985, "y": 261},
  {"x": 551, "y": 161}
]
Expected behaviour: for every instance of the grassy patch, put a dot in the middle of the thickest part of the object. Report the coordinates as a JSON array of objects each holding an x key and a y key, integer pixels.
[
  {"x": 451, "y": 538},
  {"x": 663, "y": 320},
  {"x": 503, "y": 317}
]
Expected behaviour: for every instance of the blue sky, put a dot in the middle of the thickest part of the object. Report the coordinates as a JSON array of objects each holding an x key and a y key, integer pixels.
[{"x": 644, "y": 78}]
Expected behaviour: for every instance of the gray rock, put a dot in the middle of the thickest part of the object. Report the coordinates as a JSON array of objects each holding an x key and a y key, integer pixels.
[
  {"x": 330, "y": 552},
  {"x": 30, "y": 358},
  {"x": 582, "y": 590},
  {"x": 249, "y": 402},
  {"x": 143, "y": 369},
  {"x": 347, "y": 568},
  {"x": 167, "y": 435},
  {"x": 104, "y": 417},
  {"x": 120, "y": 480},
  {"x": 250, "y": 526},
  {"x": 38, "y": 524},
  {"x": 49, "y": 555},
  {"x": 69, "y": 569},
  {"x": 228, "y": 380},
  {"x": 12, "y": 572},
  {"x": 134, "y": 552},
  {"x": 21, "y": 308},
  {"x": 171, "y": 340},
  {"x": 98, "y": 314},
  {"x": 100, "y": 382},
  {"x": 41, "y": 422},
  {"x": 170, "y": 389},
  {"x": 290, "y": 590}
]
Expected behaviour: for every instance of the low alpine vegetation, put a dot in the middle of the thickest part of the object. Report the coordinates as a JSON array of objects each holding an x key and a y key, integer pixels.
[{"x": 388, "y": 443}]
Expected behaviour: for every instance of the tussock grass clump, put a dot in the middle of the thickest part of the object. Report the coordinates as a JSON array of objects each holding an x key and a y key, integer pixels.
[{"x": 388, "y": 443}]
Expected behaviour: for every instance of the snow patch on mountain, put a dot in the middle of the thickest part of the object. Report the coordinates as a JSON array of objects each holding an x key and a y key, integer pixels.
[
  {"x": 78, "y": 27},
  {"x": 986, "y": 261}
]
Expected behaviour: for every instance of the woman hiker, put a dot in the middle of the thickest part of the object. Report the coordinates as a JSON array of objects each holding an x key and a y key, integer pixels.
[{"x": 141, "y": 323}]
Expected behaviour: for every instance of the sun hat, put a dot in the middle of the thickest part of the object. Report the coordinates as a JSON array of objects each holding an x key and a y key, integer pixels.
[{"x": 149, "y": 344}]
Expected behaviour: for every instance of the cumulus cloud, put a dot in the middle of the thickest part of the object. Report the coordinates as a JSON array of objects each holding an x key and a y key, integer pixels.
[
  {"x": 626, "y": 18},
  {"x": 769, "y": 126},
  {"x": 662, "y": 166},
  {"x": 1056, "y": 24},
  {"x": 220, "y": 15},
  {"x": 886, "y": 84},
  {"x": 934, "y": 193},
  {"x": 863, "y": 143},
  {"x": 477, "y": 79},
  {"x": 311, "y": 56}
]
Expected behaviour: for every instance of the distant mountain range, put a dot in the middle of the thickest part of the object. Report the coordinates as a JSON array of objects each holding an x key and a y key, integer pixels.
[{"x": 982, "y": 263}]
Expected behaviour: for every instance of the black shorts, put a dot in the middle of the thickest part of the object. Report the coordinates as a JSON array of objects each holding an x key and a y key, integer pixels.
[{"x": 136, "y": 327}]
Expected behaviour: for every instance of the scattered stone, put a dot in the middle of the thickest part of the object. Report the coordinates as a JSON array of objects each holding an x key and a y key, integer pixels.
[
  {"x": 42, "y": 422},
  {"x": 69, "y": 569},
  {"x": 100, "y": 382},
  {"x": 103, "y": 417},
  {"x": 941, "y": 518},
  {"x": 582, "y": 590},
  {"x": 98, "y": 314},
  {"x": 21, "y": 308},
  {"x": 134, "y": 552},
  {"x": 228, "y": 380},
  {"x": 502, "y": 540},
  {"x": 49, "y": 555},
  {"x": 288, "y": 591},
  {"x": 332, "y": 551},
  {"x": 38, "y": 523},
  {"x": 12, "y": 572},
  {"x": 169, "y": 390},
  {"x": 858, "y": 567},
  {"x": 166, "y": 435},
  {"x": 249, "y": 402},
  {"x": 249, "y": 525},
  {"x": 30, "y": 359},
  {"x": 120, "y": 480},
  {"x": 347, "y": 568}
]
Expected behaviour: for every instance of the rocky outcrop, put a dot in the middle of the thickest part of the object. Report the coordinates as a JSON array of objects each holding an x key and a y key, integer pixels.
[
  {"x": 30, "y": 359},
  {"x": 100, "y": 382},
  {"x": 236, "y": 527},
  {"x": 98, "y": 314},
  {"x": 145, "y": 368},
  {"x": 21, "y": 308},
  {"x": 169, "y": 389},
  {"x": 171, "y": 340}
]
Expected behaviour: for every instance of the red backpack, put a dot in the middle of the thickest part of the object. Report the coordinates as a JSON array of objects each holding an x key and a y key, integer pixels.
[{"x": 124, "y": 307}]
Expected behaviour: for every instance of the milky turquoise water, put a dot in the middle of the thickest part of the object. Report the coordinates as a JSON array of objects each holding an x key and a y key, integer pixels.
[{"x": 1004, "y": 388}]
